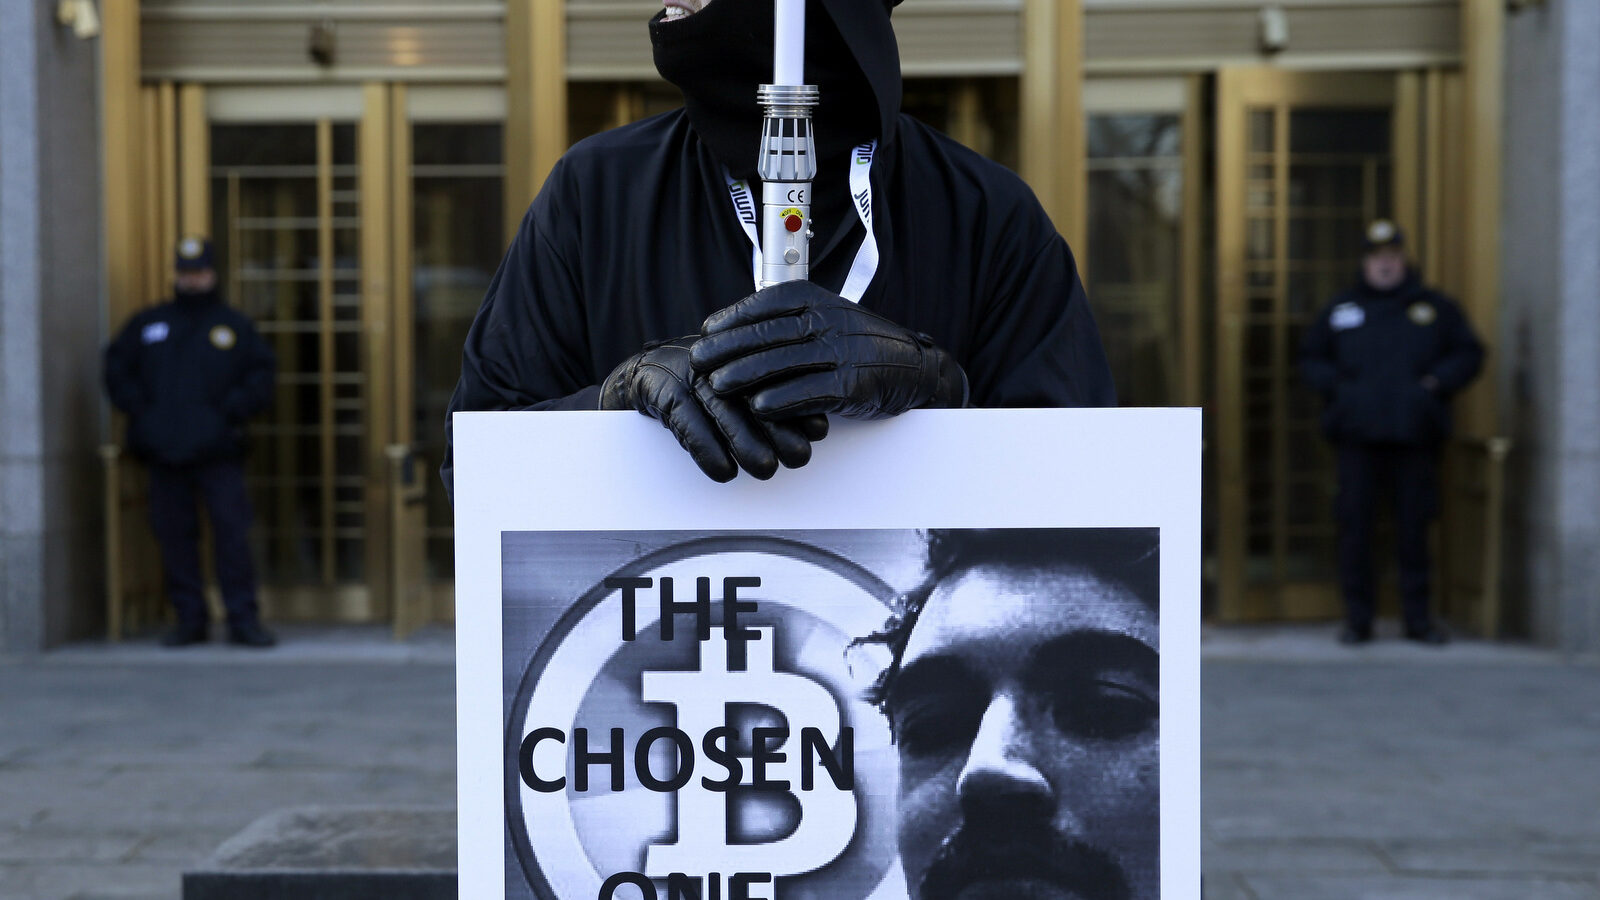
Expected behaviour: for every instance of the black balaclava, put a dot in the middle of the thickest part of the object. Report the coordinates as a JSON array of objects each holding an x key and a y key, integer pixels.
[{"x": 719, "y": 55}]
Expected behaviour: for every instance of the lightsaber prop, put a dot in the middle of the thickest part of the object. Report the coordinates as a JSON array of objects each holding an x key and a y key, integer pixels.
[{"x": 788, "y": 160}]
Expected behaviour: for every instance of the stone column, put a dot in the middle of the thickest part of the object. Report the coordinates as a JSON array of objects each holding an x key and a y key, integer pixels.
[
  {"x": 1550, "y": 329},
  {"x": 50, "y": 331}
]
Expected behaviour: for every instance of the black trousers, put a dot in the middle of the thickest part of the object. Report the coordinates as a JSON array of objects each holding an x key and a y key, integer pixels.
[
  {"x": 174, "y": 517},
  {"x": 1408, "y": 474}
]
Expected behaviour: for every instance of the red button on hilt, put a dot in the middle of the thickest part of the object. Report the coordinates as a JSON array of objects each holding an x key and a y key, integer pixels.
[{"x": 793, "y": 223}]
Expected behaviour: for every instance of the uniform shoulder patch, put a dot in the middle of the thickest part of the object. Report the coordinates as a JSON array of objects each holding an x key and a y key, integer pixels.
[
  {"x": 154, "y": 332},
  {"x": 223, "y": 338},
  {"x": 1346, "y": 316},
  {"x": 1422, "y": 312}
]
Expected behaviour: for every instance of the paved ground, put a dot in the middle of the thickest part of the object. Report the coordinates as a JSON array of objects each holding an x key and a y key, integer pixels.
[
  {"x": 1391, "y": 773},
  {"x": 1399, "y": 772},
  {"x": 122, "y": 766}
]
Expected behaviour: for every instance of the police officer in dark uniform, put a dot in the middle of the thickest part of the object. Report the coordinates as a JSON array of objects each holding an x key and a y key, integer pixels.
[
  {"x": 189, "y": 373},
  {"x": 1387, "y": 355}
]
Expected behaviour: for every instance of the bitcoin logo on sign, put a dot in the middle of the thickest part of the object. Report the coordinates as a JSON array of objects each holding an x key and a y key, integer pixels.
[
  {"x": 701, "y": 746},
  {"x": 827, "y": 816}
]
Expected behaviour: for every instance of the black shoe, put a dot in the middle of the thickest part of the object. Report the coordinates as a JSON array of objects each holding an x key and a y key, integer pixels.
[
  {"x": 1432, "y": 635},
  {"x": 184, "y": 635},
  {"x": 1350, "y": 635},
  {"x": 251, "y": 634}
]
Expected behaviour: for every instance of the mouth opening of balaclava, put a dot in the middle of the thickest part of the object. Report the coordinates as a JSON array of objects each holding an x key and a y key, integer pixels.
[{"x": 719, "y": 55}]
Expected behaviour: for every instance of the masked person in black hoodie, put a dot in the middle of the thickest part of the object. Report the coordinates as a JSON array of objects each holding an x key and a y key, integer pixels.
[
  {"x": 937, "y": 280},
  {"x": 1387, "y": 355},
  {"x": 189, "y": 373}
]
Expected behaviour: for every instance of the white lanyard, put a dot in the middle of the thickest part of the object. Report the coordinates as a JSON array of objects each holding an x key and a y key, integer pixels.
[{"x": 866, "y": 263}]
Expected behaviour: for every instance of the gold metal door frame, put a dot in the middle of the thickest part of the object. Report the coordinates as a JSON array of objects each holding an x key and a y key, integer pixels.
[
  {"x": 418, "y": 597},
  {"x": 1193, "y": 201},
  {"x": 1239, "y": 90},
  {"x": 140, "y": 172},
  {"x": 536, "y": 100},
  {"x": 375, "y": 180},
  {"x": 407, "y": 474}
]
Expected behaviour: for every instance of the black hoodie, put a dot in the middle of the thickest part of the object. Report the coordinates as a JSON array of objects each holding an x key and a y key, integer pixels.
[{"x": 634, "y": 236}]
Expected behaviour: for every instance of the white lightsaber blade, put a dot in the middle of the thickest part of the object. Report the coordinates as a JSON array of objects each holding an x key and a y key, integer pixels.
[
  {"x": 788, "y": 155},
  {"x": 789, "y": 43}
]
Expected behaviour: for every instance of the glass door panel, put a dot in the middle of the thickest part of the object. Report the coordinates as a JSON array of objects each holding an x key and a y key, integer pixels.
[
  {"x": 457, "y": 179},
  {"x": 287, "y": 227},
  {"x": 1134, "y": 258}
]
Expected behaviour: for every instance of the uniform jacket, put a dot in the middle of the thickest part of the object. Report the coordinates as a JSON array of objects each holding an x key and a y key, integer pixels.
[
  {"x": 189, "y": 373},
  {"x": 634, "y": 238},
  {"x": 1368, "y": 352}
]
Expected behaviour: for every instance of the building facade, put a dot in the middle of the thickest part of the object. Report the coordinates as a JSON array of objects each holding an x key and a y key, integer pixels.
[{"x": 360, "y": 166}]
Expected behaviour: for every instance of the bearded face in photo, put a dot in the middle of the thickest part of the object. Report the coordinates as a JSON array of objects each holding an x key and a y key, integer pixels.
[{"x": 1026, "y": 712}]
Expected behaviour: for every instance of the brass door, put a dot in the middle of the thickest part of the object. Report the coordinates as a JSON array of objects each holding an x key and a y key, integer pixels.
[
  {"x": 1303, "y": 161},
  {"x": 358, "y": 228}
]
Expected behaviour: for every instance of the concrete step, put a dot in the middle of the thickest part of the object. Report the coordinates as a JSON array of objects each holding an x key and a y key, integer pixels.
[{"x": 334, "y": 853}]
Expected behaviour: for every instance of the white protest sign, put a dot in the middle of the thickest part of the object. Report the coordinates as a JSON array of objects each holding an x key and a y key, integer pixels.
[{"x": 956, "y": 655}]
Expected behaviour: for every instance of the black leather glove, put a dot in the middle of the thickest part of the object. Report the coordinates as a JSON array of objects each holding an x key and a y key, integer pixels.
[
  {"x": 798, "y": 349},
  {"x": 720, "y": 433}
]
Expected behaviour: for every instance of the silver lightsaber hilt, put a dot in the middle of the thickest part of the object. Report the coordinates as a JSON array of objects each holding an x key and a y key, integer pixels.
[{"x": 787, "y": 165}]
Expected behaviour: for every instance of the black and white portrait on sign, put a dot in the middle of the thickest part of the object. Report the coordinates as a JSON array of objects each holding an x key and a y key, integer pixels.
[
  {"x": 841, "y": 714},
  {"x": 1024, "y": 701},
  {"x": 956, "y": 659}
]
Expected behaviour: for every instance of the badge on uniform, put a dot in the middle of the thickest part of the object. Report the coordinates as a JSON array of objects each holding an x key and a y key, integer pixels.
[
  {"x": 154, "y": 333},
  {"x": 222, "y": 337},
  {"x": 1422, "y": 312},
  {"x": 1346, "y": 316}
]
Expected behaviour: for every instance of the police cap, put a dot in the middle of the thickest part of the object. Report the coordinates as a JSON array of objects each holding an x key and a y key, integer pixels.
[
  {"x": 194, "y": 253},
  {"x": 1383, "y": 233}
]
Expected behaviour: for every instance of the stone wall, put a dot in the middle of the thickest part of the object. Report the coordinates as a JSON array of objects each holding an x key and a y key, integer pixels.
[
  {"x": 51, "y": 574},
  {"x": 1550, "y": 327}
]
